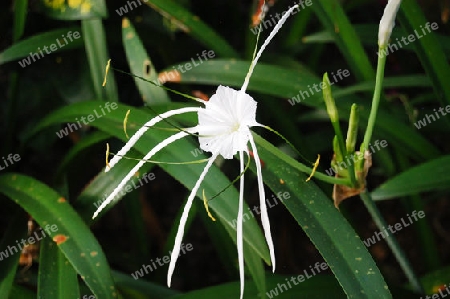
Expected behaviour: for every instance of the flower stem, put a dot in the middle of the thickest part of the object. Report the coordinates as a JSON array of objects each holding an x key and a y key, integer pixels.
[
  {"x": 375, "y": 100},
  {"x": 392, "y": 242}
]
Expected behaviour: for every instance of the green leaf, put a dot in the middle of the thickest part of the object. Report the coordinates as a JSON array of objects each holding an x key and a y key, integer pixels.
[
  {"x": 32, "y": 44},
  {"x": 332, "y": 235},
  {"x": 57, "y": 277},
  {"x": 97, "y": 54},
  {"x": 20, "y": 16},
  {"x": 74, "y": 10},
  {"x": 338, "y": 25},
  {"x": 192, "y": 25},
  {"x": 141, "y": 289},
  {"x": 82, "y": 145},
  {"x": 320, "y": 286},
  {"x": 428, "y": 49},
  {"x": 428, "y": 176},
  {"x": 142, "y": 66},
  {"x": 65, "y": 227},
  {"x": 21, "y": 292},
  {"x": 287, "y": 83}
]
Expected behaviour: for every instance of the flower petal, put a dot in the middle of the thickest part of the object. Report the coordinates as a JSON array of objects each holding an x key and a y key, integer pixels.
[
  {"x": 143, "y": 129},
  {"x": 153, "y": 151},
  {"x": 239, "y": 230},
  {"x": 184, "y": 216},
  {"x": 266, "y": 42},
  {"x": 262, "y": 199},
  {"x": 223, "y": 124},
  {"x": 387, "y": 22}
]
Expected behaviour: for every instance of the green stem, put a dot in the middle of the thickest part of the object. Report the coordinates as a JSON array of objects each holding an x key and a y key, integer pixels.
[
  {"x": 392, "y": 242},
  {"x": 375, "y": 100}
]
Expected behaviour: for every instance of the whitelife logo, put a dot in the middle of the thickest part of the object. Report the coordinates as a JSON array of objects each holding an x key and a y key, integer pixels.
[
  {"x": 161, "y": 262},
  {"x": 394, "y": 228},
  {"x": 411, "y": 38},
  {"x": 318, "y": 87},
  {"x": 90, "y": 118},
  {"x": 11, "y": 158},
  {"x": 128, "y": 188},
  {"x": 30, "y": 240},
  {"x": 430, "y": 117},
  {"x": 300, "y": 278},
  {"x": 53, "y": 47}
]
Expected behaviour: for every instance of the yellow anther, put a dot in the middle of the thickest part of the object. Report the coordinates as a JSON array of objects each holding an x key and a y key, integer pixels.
[
  {"x": 125, "y": 123},
  {"x": 316, "y": 164},
  {"x": 107, "y": 155},
  {"x": 106, "y": 72},
  {"x": 205, "y": 202}
]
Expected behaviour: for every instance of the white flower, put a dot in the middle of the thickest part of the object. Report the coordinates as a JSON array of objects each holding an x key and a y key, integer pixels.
[
  {"x": 224, "y": 129},
  {"x": 387, "y": 22}
]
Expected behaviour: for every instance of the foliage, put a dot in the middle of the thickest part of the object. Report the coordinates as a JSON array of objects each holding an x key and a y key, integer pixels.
[{"x": 57, "y": 118}]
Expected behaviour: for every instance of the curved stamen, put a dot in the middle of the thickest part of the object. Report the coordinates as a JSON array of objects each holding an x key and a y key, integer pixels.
[
  {"x": 262, "y": 199},
  {"x": 266, "y": 42},
  {"x": 154, "y": 150},
  {"x": 165, "y": 162},
  {"x": 144, "y": 129},
  {"x": 183, "y": 219}
]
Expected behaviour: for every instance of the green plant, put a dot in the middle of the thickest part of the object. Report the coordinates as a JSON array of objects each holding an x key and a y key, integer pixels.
[{"x": 60, "y": 92}]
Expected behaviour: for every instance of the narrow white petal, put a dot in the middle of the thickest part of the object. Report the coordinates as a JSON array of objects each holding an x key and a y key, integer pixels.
[
  {"x": 184, "y": 216},
  {"x": 144, "y": 129},
  {"x": 239, "y": 235},
  {"x": 153, "y": 151},
  {"x": 262, "y": 199},
  {"x": 387, "y": 22},
  {"x": 266, "y": 42}
]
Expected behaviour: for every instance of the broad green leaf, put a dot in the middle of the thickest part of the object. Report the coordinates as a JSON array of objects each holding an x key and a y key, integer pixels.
[
  {"x": 57, "y": 278},
  {"x": 426, "y": 177},
  {"x": 65, "y": 227},
  {"x": 74, "y": 10},
  {"x": 288, "y": 83},
  {"x": 97, "y": 55},
  {"x": 141, "y": 65},
  {"x": 327, "y": 228},
  {"x": 192, "y": 25},
  {"x": 50, "y": 39}
]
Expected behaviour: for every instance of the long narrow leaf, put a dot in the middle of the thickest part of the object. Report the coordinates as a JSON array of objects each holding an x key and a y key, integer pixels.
[{"x": 65, "y": 227}]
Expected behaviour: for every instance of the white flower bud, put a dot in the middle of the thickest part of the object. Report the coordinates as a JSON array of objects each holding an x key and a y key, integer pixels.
[{"x": 387, "y": 22}]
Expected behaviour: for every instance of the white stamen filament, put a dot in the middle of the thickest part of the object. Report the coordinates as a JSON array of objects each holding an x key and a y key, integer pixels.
[
  {"x": 266, "y": 42},
  {"x": 239, "y": 228},
  {"x": 153, "y": 151},
  {"x": 144, "y": 129},
  {"x": 184, "y": 216},
  {"x": 262, "y": 199}
]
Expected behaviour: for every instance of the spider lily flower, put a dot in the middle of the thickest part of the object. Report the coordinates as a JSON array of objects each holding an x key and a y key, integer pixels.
[
  {"x": 223, "y": 129},
  {"x": 387, "y": 22}
]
